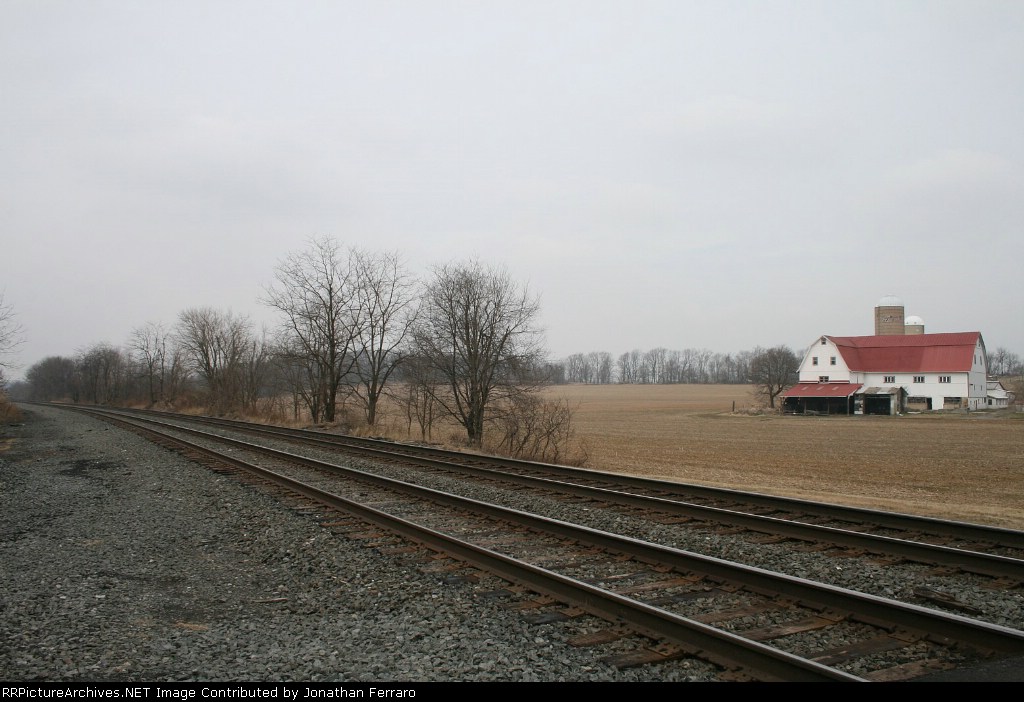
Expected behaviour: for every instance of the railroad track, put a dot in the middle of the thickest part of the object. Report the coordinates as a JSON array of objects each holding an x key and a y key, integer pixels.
[
  {"x": 959, "y": 546},
  {"x": 694, "y": 605}
]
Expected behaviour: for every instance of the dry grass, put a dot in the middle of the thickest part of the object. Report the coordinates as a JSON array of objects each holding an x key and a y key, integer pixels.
[
  {"x": 957, "y": 466},
  {"x": 8, "y": 411}
]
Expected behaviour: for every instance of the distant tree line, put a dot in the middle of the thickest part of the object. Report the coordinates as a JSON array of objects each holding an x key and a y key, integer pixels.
[
  {"x": 769, "y": 370},
  {"x": 659, "y": 366}
]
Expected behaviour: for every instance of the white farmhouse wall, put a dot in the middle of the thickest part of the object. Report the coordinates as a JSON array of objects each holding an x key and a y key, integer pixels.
[
  {"x": 811, "y": 372},
  {"x": 958, "y": 386},
  {"x": 978, "y": 379}
]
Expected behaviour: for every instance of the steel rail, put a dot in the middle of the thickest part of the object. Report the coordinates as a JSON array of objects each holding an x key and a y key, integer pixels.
[{"x": 864, "y": 607}]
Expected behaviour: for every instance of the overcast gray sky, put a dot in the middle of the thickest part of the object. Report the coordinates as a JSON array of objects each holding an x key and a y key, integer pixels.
[{"x": 680, "y": 173}]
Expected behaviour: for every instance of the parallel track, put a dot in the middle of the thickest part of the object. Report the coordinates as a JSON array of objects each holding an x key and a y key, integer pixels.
[
  {"x": 857, "y": 531},
  {"x": 880, "y": 624}
]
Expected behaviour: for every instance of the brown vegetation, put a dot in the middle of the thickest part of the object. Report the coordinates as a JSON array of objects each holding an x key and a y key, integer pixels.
[
  {"x": 957, "y": 466},
  {"x": 9, "y": 412}
]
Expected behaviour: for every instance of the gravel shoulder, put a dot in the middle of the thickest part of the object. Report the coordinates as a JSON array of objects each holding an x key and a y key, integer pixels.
[{"x": 122, "y": 561}]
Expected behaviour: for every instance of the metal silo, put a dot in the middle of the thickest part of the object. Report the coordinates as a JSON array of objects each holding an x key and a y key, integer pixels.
[{"x": 889, "y": 316}]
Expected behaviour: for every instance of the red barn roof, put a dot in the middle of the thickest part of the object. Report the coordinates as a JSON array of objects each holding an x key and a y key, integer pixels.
[
  {"x": 919, "y": 353},
  {"x": 822, "y": 390}
]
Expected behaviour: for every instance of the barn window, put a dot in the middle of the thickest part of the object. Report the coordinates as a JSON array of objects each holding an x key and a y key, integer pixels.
[
  {"x": 944, "y": 378},
  {"x": 822, "y": 378},
  {"x": 814, "y": 360},
  {"x": 832, "y": 360},
  {"x": 918, "y": 378},
  {"x": 889, "y": 379}
]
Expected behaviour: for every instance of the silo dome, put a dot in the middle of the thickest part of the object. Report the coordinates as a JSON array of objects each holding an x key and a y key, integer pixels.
[
  {"x": 890, "y": 301},
  {"x": 913, "y": 325}
]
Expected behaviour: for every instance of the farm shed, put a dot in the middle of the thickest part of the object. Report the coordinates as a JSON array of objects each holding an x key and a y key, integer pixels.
[
  {"x": 820, "y": 398},
  {"x": 876, "y": 400}
]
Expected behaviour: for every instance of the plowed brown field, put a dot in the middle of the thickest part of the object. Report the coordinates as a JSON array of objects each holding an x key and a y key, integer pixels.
[{"x": 958, "y": 466}]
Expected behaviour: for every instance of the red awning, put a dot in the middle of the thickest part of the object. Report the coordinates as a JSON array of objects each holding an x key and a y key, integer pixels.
[{"x": 822, "y": 390}]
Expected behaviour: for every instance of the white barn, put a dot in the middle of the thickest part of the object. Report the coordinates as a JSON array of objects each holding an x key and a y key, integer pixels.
[{"x": 886, "y": 374}]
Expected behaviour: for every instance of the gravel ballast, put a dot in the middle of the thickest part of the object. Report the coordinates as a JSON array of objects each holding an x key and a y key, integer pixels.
[
  {"x": 123, "y": 561},
  {"x": 877, "y": 576}
]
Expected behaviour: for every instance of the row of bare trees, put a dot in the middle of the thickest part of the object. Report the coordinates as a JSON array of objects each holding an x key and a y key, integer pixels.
[
  {"x": 770, "y": 370},
  {"x": 1002, "y": 362},
  {"x": 209, "y": 357},
  {"x": 594, "y": 368},
  {"x": 346, "y": 320},
  {"x": 99, "y": 374},
  {"x": 232, "y": 361},
  {"x": 353, "y": 328},
  {"x": 657, "y": 366},
  {"x": 463, "y": 344}
]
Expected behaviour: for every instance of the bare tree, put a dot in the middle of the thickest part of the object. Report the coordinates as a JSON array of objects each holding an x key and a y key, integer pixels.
[
  {"x": 215, "y": 344},
  {"x": 603, "y": 365},
  {"x": 316, "y": 291},
  {"x": 421, "y": 385},
  {"x": 772, "y": 371},
  {"x": 255, "y": 371},
  {"x": 688, "y": 366},
  {"x": 554, "y": 371},
  {"x": 1014, "y": 365},
  {"x": 628, "y": 363},
  {"x": 149, "y": 344},
  {"x": 595, "y": 367},
  {"x": 741, "y": 367},
  {"x": 702, "y": 364},
  {"x": 676, "y": 367},
  {"x": 385, "y": 293},
  {"x": 52, "y": 378},
  {"x": 719, "y": 368},
  {"x": 10, "y": 335},
  {"x": 103, "y": 374},
  {"x": 175, "y": 372},
  {"x": 1002, "y": 362},
  {"x": 576, "y": 368},
  {"x": 477, "y": 331},
  {"x": 654, "y": 361},
  {"x": 537, "y": 430},
  {"x": 298, "y": 377}
]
